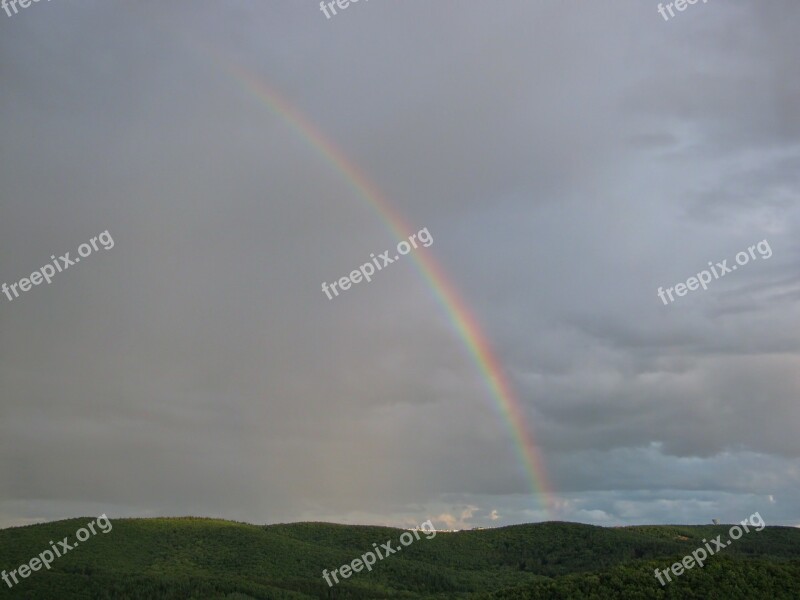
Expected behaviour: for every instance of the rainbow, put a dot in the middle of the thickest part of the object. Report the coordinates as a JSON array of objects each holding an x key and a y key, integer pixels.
[{"x": 460, "y": 317}]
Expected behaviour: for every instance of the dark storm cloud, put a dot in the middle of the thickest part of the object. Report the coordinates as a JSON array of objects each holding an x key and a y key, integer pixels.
[{"x": 567, "y": 158}]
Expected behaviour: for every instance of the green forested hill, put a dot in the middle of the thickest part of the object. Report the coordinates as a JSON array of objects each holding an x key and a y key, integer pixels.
[{"x": 205, "y": 558}]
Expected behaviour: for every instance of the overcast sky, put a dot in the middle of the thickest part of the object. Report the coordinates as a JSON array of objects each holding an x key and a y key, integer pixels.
[{"x": 568, "y": 158}]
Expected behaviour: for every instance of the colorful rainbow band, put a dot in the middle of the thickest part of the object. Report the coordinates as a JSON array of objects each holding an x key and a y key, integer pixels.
[{"x": 461, "y": 319}]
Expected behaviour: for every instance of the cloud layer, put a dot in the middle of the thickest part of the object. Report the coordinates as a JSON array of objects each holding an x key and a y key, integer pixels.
[{"x": 567, "y": 158}]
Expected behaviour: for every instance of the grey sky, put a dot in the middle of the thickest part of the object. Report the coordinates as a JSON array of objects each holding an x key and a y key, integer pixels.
[{"x": 568, "y": 159}]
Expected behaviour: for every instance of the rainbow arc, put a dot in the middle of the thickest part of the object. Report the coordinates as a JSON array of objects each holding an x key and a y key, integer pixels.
[{"x": 460, "y": 317}]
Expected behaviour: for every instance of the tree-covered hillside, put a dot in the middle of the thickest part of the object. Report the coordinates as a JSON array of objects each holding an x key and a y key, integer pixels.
[{"x": 204, "y": 558}]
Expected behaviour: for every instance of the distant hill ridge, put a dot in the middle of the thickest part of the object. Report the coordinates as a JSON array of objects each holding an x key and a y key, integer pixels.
[{"x": 180, "y": 558}]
